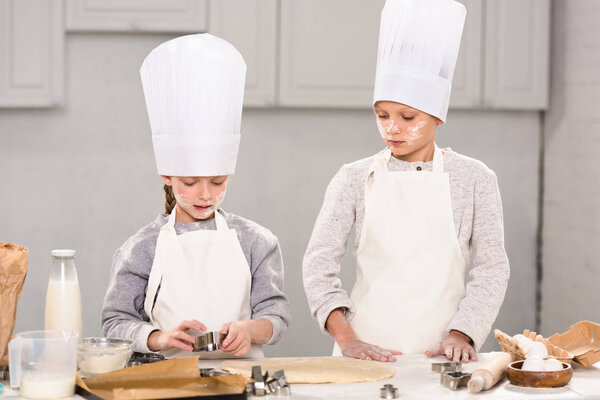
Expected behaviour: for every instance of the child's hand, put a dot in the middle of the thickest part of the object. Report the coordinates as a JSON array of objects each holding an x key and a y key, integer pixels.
[
  {"x": 238, "y": 337},
  {"x": 365, "y": 351},
  {"x": 177, "y": 337},
  {"x": 456, "y": 347}
]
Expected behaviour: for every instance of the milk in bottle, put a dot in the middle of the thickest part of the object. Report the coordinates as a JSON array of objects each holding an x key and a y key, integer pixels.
[{"x": 63, "y": 299}]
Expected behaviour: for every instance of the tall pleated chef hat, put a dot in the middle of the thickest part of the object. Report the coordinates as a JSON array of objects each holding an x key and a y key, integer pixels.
[
  {"x": 194, "y": 90},
  {"x": 418, "y": 48}
]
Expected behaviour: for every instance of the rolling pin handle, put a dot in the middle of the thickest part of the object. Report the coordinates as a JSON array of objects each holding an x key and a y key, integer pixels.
[{"x": 476, "y": 384}]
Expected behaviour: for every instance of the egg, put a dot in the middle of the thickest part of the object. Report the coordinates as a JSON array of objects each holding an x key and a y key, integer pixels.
[
  {"x": 524, "y": 345},
  {"x": 519, "y": 337},
  {"x": 537, "y": 349},
  {"x": 533, "y": 363},
  {"x": 552, "y": 364}
]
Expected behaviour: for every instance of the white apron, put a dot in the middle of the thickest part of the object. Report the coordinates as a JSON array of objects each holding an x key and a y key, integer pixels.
[
  {"x": 202, "y": 275},
  {"x": 410, "y": 269}
]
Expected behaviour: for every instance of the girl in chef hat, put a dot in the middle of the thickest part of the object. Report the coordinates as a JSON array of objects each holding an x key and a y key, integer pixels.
[
  {"x": 196, "y": 268},
  {"x": 419, "y": 212}
]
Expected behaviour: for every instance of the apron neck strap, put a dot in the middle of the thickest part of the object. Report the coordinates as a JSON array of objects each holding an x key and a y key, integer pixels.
[
  {"x": 438, "y": 161},
  {"x": 219, "y": 221},
  {"x": 170, "y": 225}
]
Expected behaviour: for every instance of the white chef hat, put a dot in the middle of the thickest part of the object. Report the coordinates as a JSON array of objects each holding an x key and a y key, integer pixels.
[
  {"x": 418, "y": 48},
  {"x": 194, "y": 90}
]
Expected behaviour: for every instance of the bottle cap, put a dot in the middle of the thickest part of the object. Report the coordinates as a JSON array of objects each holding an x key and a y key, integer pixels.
[{"x": 63, "y": 253}]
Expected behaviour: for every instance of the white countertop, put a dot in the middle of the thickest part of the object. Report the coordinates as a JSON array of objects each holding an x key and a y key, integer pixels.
[{"x": 415, "y": 380}]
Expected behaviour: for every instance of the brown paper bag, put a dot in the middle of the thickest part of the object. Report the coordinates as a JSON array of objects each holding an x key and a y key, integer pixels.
[
  {"x": 175, "y": 378},
  {"x": 13, "y": 268}
]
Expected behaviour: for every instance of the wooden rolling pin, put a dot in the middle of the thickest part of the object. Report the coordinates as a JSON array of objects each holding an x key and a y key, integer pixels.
[{"x": 490, "y": 373}]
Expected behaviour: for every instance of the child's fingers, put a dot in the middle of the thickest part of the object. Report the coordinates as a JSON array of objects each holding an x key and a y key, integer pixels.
[
  {"x": 357, "y": 354},
  {"x": 199, "y": 325},
  {"x": 457, "y": 353},
  {"x": 173, "y": 342},
  {"x": 229, "y": 339},
  {"x": 379, "y": 356},
  {"x": 449, "y": 351},
  {"x": 236, "y": 341},
  {"x": 465, "y": 355},
  {"x": 472, "y": 354},
  {"x": 225, "y": 328},
  {"x": 189, "y": 324},
  {"x": 242, "y": 352},
  {"x": 184, "y": 337},
  {"x": 436, "y": 351},
  {"x": 239, "y": 348}
]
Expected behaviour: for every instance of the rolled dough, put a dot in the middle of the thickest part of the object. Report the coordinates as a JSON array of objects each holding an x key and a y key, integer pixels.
[{"x": 315, "y": 369}]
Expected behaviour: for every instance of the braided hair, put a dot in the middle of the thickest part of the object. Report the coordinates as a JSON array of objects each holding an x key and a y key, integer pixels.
[{"x": 169, "y": 199}]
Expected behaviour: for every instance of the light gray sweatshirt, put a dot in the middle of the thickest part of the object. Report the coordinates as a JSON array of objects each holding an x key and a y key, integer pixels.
[
  {"x": 123, "y": 314},
  {"x": 477, "y": 211}
]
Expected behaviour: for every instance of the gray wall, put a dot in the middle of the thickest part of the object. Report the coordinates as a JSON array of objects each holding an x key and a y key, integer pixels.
[
  {"x": 83, "y": 177},
  {"x": 571, "y": 233}
]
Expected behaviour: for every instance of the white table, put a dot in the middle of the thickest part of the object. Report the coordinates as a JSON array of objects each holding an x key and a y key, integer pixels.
[{"x": 415, "y": 380}]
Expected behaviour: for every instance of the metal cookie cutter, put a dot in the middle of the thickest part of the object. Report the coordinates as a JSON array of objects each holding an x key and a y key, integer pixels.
[
  {"x": 257, "y": 387},
  {"x": 277, "y": 383},
  {"x": 454, "y": 380},
  {"x": 210, "y": 341},
  {"x": 144, "y": 358},
  {"x": 273, "y": 383},
  {"x": 446, "y": 367},
  {"x": 388, "y": 392},
  {"x": 212, "y": 372}
]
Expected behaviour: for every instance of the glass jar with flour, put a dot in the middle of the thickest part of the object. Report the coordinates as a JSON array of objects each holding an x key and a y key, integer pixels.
[{"x": 63, "y": 299}]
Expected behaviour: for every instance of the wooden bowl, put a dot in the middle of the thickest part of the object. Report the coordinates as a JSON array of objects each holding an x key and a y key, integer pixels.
[{"x": 536, "y": 379}]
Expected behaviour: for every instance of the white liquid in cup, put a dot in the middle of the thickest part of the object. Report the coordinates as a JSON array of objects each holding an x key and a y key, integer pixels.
[
  {"x": 63, "y": 306},
  {"x": 35, "y": 387}
]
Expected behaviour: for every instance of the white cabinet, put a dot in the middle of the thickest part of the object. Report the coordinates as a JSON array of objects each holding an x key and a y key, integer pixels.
[
  {"x": 517, "y": 54},
  {"x": 251, "y": 26},
  {"x": 466, "y": 84},
  {"x": 136, "y": 15},
  {"x": 299, "y": 53},
  {"x": 31, "y": 53},
  {"x": 328, "y": 52}
]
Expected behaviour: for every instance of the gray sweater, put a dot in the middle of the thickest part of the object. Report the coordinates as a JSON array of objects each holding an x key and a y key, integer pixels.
[
  {"x": 477, "y": 211},
  {"x": 123, "y": 314}
]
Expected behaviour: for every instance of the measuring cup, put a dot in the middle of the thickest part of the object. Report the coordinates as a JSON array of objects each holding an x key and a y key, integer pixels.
[{"x": 43, "y": 364}]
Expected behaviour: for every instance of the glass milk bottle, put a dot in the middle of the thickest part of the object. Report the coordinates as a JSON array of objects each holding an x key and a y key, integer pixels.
[{"x": 63, "y": 299}]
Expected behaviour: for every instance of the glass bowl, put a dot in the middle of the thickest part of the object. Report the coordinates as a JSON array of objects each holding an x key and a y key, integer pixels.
[{"x": 99, "y": 355}]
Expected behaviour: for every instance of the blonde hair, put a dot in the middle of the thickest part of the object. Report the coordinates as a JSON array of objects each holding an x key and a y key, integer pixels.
[{"x": 169, "y": 199}]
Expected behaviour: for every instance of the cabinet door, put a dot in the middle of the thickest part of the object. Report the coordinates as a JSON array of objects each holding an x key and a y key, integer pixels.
[
  {"x": 31, "y": 53},
  {"x": 251, "y": 26},
  {"x": 517, "y": 51},
  {"x": 137, "y": 15},
  {"x": 328, "y": 52},
  {"x": 466, "y": 84}
]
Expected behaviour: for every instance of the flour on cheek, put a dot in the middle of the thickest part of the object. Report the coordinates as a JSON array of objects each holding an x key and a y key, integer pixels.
[
  {"x": 387, "y": 128},
  {"x": 414, "y": 132}
]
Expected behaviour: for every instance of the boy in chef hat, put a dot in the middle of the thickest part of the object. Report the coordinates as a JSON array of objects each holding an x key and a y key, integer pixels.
[
  {"x": 196, "y": 268},
  {"x": 419, "y": 212}
]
